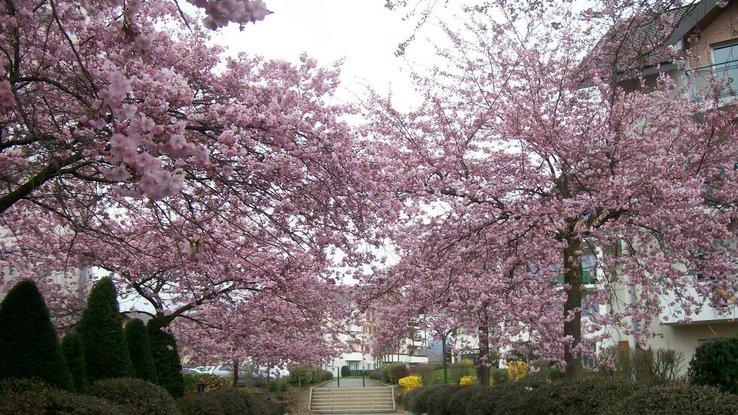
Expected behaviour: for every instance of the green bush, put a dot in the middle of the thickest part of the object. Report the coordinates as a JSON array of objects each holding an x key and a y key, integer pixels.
[
  {"x": 22, "y": 396},
  {"x": 676, "y": 399},
  {"x": 375, "y": 374},
  {"x": 498, "y": 376},
  {"x": 392, "y": 372},
  {"x": 103, "y": 341},
  {"x": 397, "y": 372},
  {"x": 667, "y": 364},
  {"x": 438, "y": 401},
  {"x": 139, "y": 347},
  {"x": 29, "y": 347},
  {"x": 265, "y": 407},
  {"x": 135, "y": 396},
  {"x": 345, "y": 371},
  {"x": 166, "y": 359},
  {"x": 227, "y": 402},
  {"x": 308, "y": 375},
  {"x": 190, "y": 381},
  {"x": 274, "y": 385},
  {"x": 75, "y": 357},
  {"x": 463, "y": 395},
  {"x": 715, "y": 363},
  {"x": 509, "y": 398},
  {"x": 589, "y": 394},
  {"x": 417, "y": 399},
  {"x": 481, "y": 401},
  {"x": 216, "y": 402}
]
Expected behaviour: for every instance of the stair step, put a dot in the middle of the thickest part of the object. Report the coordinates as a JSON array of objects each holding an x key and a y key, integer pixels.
[{"x": 371, "y": 400}]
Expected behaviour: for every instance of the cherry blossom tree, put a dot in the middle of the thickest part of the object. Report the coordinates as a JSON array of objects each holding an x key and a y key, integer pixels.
[
  {"x": 539, "y": 141},
  {"x": 131, "y": 144},
  {"x": 266, "y": 330}
]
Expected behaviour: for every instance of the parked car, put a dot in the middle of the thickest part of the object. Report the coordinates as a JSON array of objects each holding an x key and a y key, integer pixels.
[
  {"x": 225, "y": 370},
  {"x": 203, "y": 369},
  {"x": 273, "y": 373}
]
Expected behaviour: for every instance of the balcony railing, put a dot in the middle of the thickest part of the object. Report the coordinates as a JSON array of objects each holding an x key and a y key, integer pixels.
[
  {"x": 721, "y": 78},
  {"x": 588, "y": 277},
  {"x": 672, "y": 313}
]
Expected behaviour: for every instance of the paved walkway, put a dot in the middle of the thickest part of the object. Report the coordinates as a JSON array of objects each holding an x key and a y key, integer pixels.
[{"x": 353, "y": 383}]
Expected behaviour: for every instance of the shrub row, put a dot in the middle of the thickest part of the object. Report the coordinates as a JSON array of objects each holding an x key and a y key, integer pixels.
[
  {"x": 97, "y": 348},
  {"x": 227, "y": 402},
  {"x": 308, "y": 375},
  {"x": 389, "y": 373},
  {"x": 591, "y": 395},
  {"x": 125, "y": 396},
  {"x": 107, "y": 397}
]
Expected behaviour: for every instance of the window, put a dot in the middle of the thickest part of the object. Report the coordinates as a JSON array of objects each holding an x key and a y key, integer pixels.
[
  {"x": 589, "y": 268},
  {"x": 725, "y": 64}
]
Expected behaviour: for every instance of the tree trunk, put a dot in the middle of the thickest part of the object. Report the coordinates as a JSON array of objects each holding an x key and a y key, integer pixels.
[
  {"x": 235, "y": 373},
  {"x": 483, "y": 359},
  {"x": 572, "y": 306},
  {"x": 443, "y": 359}
]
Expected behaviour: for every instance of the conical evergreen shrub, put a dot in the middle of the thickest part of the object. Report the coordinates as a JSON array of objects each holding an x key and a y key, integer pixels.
[
  {"x": 139, "y": 347},
  {"x": 166, "y": 359},
  {"x": 103, "y": 342},
  {"x": 29, "y": 347},
  {"x": 75, "y": 357}
]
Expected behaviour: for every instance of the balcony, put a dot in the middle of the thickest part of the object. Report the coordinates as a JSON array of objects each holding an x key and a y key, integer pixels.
[
  {"x": 673, "y": 314},
  {"x": 404, "y": 358},
  {"x": 589, "y": 277},
  {"x": 721, "y": 78}
]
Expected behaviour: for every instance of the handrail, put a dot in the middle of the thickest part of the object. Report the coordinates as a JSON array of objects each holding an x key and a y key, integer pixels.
[
  {"x": 310, "y": 399},
  {"x": 703, "y": 68},
  {"x": 394, "y": 405}
]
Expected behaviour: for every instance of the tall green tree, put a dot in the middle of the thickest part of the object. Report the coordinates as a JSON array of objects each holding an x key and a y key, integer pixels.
[
  {"x": 166, "y": 359},
  {"x": 74, "y": 354},
  {"x": 29, "y": 347},
  {"x": 103, "y": 341},
  {"x": 139, "y": 347}
]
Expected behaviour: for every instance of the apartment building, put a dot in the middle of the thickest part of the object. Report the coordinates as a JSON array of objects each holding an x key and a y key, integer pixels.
[
  {"x": 707, "y": 32},
  {"x": 358, "y": 337}
]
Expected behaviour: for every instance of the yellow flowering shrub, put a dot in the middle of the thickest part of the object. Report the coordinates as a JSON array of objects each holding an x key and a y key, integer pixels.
[
  {"x": 466, "y": 363},
  {"x": 411, "y": 382},
  {"x": 517, "y": 370},
  {"x": 467, "y": 380}
]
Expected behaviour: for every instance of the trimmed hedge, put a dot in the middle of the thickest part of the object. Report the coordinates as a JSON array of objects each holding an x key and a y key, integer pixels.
[
  {"x": 166, "y": 359},
  {"x": 135, "y": 396},
  {"x": 390, "y": 373},
  {"x": 227, "y": 402},
  {"x": 29, "y": 347},
  {"x": 461, "y": 397},
  {"x": 74, "y": 354},
  {"x": 438, "y": 402},
  {"x": 139, "y": 347},
  {"x": 105, "y": 348},
  {"x": 22, "y": 396},
  {"x": 677, "y": 400},
  {"x": 417, "y": 399},
  {"x": 265, "y": 407},
  {"x": 715, "y": 363},
  {"x": 308, "y": 375},
  {"x": 589, "y": 395}
]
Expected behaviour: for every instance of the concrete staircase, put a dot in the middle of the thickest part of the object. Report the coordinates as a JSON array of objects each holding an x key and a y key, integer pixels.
[{"x": 369, "y": 400}]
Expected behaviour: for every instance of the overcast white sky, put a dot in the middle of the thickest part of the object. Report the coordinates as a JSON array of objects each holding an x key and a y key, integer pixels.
[{"x": 362, "y": 32}]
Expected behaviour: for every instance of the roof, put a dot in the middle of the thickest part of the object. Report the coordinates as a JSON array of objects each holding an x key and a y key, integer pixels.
[{"x": 642, "y": 44}]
